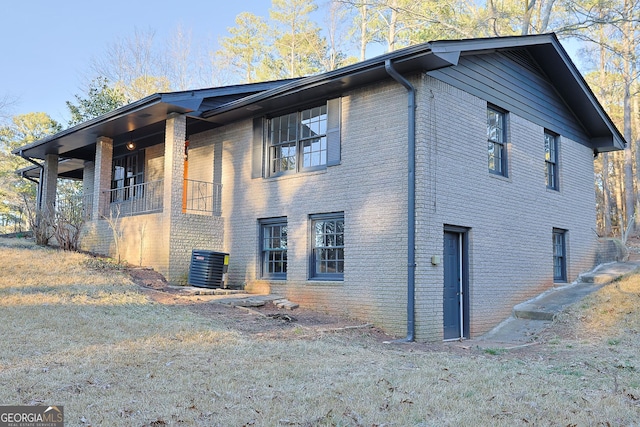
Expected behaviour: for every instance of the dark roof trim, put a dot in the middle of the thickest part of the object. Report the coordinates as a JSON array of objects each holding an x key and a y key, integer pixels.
[
  {"x": 359, "y": 68},
  {"x": 119, "y": 112},
  {"x": 428, "y": 57},
  {"x": 185, "y": 102},
  {"x": 246, "y": 100}
]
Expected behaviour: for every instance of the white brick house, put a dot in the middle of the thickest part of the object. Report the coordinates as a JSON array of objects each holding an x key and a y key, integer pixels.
[{"x": 427, "y": 191}]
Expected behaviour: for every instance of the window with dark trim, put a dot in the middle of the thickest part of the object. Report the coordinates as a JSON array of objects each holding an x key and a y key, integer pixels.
[
  {"x": 551, "y": 160},
  {"x": 559, "y": 255},
  {"x": 497, "y": 140},
  {"x": 303, "y": 140},
  {"x": 327, "y": 246},
  {"x": 127, "y": 173},
  {"x": 273, "y": 248},
  {"x": 298, "y": 141}
]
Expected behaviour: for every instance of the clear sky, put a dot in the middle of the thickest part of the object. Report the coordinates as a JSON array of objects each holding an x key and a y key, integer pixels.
[{"x": 47, "y": 45}]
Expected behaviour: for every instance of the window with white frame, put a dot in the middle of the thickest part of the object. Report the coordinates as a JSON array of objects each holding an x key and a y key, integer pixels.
[
  {"x": 497, "y": 140},
  {"x": 273, "y": 248},
  {"x": 327, "y": 246},
  {"x": 551, "y": 160}
]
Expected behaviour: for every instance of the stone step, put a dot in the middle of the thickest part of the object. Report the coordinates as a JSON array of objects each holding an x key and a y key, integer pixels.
[
  {"x": 194, "y": 290},
  {"x": 285, "y": 303}
]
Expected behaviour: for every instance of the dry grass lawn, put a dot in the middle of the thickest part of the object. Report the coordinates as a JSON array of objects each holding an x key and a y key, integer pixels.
[{"x": 92, "y": 341}]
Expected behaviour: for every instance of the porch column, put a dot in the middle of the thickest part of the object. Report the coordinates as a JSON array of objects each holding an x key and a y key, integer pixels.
[
  {"x": 102, "y": 176},
  {"x": 175, "y": 135},
  {"x": 88, "y": 177},
  {"x": 49, "y": 181}
]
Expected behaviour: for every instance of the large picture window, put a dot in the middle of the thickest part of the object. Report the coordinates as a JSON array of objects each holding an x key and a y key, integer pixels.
[
  {"x": 298, "y": 141},
  {"x": 327, "y": 246},
  {"x": 497, "y": 139},
  {"x": 273, "y": 237}
]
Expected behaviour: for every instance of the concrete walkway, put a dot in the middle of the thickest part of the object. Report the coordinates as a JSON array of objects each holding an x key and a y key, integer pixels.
[{"x": 534, "y": 315}]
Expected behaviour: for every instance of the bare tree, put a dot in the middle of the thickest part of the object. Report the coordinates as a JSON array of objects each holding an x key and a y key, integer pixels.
[
  {"x": 7, "y": 102},
  {"x": 178, "y": 64},
  {"x": 133, "y": 65}
]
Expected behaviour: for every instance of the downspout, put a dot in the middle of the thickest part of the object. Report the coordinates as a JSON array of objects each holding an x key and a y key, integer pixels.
[
  {"x": 411, "y": 198},
  {"x": 39, "y": 193}
]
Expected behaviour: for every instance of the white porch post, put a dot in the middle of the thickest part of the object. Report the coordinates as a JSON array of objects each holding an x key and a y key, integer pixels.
[{"x": 102, "y": 176}]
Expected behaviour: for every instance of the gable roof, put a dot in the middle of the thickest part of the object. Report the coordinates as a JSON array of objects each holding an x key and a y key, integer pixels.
[{"x": 210, "y": 108}]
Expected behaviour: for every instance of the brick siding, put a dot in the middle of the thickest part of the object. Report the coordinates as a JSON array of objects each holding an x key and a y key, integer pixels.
[{"x": 510, "y": 220}]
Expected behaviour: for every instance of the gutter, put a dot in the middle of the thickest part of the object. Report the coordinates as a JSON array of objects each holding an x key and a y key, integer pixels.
[{"x": 411, "y": 198}]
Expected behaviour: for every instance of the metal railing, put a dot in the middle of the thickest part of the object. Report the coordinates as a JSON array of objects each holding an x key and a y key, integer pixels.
[
  {"x": 201, "y": 197},
  {"x": 135, "y": 199},
  {"x": 74, "y": 207}
]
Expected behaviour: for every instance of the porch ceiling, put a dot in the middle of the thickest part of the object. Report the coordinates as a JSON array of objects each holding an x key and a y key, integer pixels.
[
  {"x": 140, "y": 120},
  {"x": 67, "y": 168},
  {"x": 79, "y": 142}
]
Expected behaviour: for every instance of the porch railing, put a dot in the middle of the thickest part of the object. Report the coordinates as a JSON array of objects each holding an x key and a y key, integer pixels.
[
  {"x": 75, "y": 207},
  {"x": 135, "y": 199},
  {"x": 201, "y": 197}
]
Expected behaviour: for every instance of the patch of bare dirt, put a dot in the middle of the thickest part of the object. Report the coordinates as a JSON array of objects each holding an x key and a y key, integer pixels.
[
  {"x": 266, "y": 321},
  {"x": 269, "y": 322}
]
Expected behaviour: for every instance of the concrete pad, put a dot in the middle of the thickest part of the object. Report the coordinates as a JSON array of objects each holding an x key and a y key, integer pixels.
[{"x": 513, "y": 331}]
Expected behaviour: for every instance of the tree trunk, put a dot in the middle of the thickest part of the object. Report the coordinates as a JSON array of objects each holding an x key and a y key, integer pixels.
[
  {"x": 392, "y": 26},
  {"x": 606, "y": 195},
  {"x": 363, "y": 32},
  {"x": 526, "y": 19},
  {"x": 629, "y": 192}
]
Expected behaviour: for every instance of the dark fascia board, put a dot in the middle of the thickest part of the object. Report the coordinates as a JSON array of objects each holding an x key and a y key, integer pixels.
[
  {"x": 67, "y": 168},
  {"x": 119, "y": 112},
  {"x": 404, "y": 60},
  {"x": 423, "y": 57},
  {"x": 128, "y": 118},
  {"x": 560, "y": 69},
  {"x": 443, "y": 53},
  {"x": 546, "y": 48},
  {"x": 193, "y": 99}
]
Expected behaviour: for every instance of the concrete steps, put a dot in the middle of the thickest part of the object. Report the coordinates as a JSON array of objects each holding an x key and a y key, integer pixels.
[
  {"x": 552, "y": 302},
  {"x": 534, "y": 315}
]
